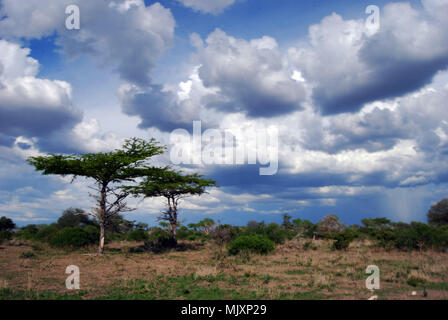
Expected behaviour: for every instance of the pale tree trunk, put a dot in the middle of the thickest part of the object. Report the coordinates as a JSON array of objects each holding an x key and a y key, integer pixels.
[
  {"x": 102, "y": 219},
  {"x": 172, "y": 219},
  {"x": 102, "y": 238}
]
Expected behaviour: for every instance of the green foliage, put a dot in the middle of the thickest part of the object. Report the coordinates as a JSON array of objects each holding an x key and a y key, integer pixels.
[
  {"x": 109, "y": 171},
  {"x": 438, "y": 213},
  {"x": 46, "y": 233},
  {"x": 28, "y": 232},
  {"x": 309, "y": 245},
  {"x": 344, "y": 239},
  {"x": 253, "y": 243},
  {"x": 5, "y": 235},
  {"x": 138, "y": 235},
  {"x": 305, "y": 227},
  {"x": 117, "y": 166},
  {"x": 75, "y": 237},
  {"x": 74, "y": 217},
  {"x": 6, "y": 224},
  {"x": 171, "y": 184},
  {"x": 416, "y": 282},
  {"x": 192, "y": 234},
  {"x": 27, "y": 255},
  {"x": 159, "y": 240},
  {"x": 119, "y": 225},
  {"x": 278, "y": 234},
  {"x": 412, "y": 236},
  {"x": 272, "y": 231}
]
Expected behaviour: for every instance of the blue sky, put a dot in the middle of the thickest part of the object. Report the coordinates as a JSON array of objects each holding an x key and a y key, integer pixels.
[{"x": 361, "y": 114}]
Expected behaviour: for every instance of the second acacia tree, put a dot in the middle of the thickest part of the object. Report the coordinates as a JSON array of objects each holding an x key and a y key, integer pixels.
[{"x": 173, "y": 186}]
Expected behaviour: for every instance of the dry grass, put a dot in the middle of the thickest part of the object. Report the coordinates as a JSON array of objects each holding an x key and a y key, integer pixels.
[{"x": 289, "y": 273}]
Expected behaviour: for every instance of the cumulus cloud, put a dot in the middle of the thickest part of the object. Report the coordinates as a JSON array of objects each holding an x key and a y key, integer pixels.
[
  {"x": 31, "y": 106},
  {"x": 126, "y": 35},
  {"x": 251, "y": 77},
  {"x": 169, "y": 107},
  {"x": 349, "y": 68},
  {"x": 208, "y": 6}
]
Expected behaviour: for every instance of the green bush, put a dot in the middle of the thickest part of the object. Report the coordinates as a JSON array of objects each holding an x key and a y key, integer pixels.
[
  {"x": 253, "y": 243},
  {"x": 27, "y": 255},
  {"x": 138, "y": 235},
  {"x": 75, "y": 237},
  {"x": 412, "y": 236},
  {"x": 416, "y": 282},
  {"x": 28, "y": 232},
  {"x": 159, "y": 240},
  {"x": 183, "y": 233},
  {"x": 5, "y": 235},
  {"x": 276, "y": 233},
  {"x": 46, "y": 233},
  {"x": 6, "y": 224},
  {"x": 343, "y": 240}
]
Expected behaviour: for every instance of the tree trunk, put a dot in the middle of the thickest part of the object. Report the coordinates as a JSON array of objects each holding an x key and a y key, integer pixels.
[
  {"x": 172, "y": 212},
  {"x": 102, "y": 237},
  {"x": 102, "y": 219},
  {"x": 174, "y": 232}
]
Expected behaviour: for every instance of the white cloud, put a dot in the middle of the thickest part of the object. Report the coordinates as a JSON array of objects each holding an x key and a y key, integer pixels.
[
  {"x": 349, "y": 68},
  {"x": 29, "y": 105},
  {"x": 251, "y": 76},
  {"x": 126, "y": 35},
  {"x": 208, "y": 6}
]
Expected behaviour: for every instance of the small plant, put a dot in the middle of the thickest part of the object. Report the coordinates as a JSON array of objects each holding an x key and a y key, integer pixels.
[
  {"x": 138, "y": 235},
  {"x": 27, "y": 255},
  {"x": 309, "y": 245},
  {"x": 416, "y": 282},
  {"x": 253, "y": 243}
]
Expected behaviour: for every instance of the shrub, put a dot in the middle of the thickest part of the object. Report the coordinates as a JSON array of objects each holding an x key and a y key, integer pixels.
[
  {"x": 46, "y": 233},
  {"x": 438, "y": 213},
  {"x": 276, "y": 234},
  {"x": 253, "y": 243},
  {"x": 309, "y": 245},
  {"x": 6, "y": 224},
  {"x": 159, "y": 240},
  {"x": 305, "y": 227},
  {"x": 329, "y": 226},
  {"x": 416, "y": 282},
  {"x": 5, "y": 235},
  {"x": 74, "y": 217},
  {"x": 27, "y": 255},
  {"x": 138, "y": 235},
  {"x": 28, "y": 232},
  {"x": 343, "y": 240},
  {"x": 75, "y": 237}
]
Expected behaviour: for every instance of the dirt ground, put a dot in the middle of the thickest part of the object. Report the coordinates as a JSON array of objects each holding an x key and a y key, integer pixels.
[{"x": 35, "y": 271}]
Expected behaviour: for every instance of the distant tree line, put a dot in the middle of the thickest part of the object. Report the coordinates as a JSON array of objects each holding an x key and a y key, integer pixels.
[{"x": 76, "y": 229}]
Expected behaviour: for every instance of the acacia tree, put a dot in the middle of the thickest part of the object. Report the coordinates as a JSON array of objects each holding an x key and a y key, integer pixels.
[
  {"x": 438, "y": 213},
  {"x": 109, "y": 171},
  {"x": 174, "y": 186}
]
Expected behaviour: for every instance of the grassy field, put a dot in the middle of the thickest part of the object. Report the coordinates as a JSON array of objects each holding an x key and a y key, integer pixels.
[{"x": 32, "y": 271}]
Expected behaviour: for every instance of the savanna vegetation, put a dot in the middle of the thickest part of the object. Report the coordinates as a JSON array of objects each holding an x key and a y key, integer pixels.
[{"x": 297, "y": 259}]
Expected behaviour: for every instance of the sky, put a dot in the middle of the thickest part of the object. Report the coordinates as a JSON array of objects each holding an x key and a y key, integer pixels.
[{"x": 355, "y": 104}]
